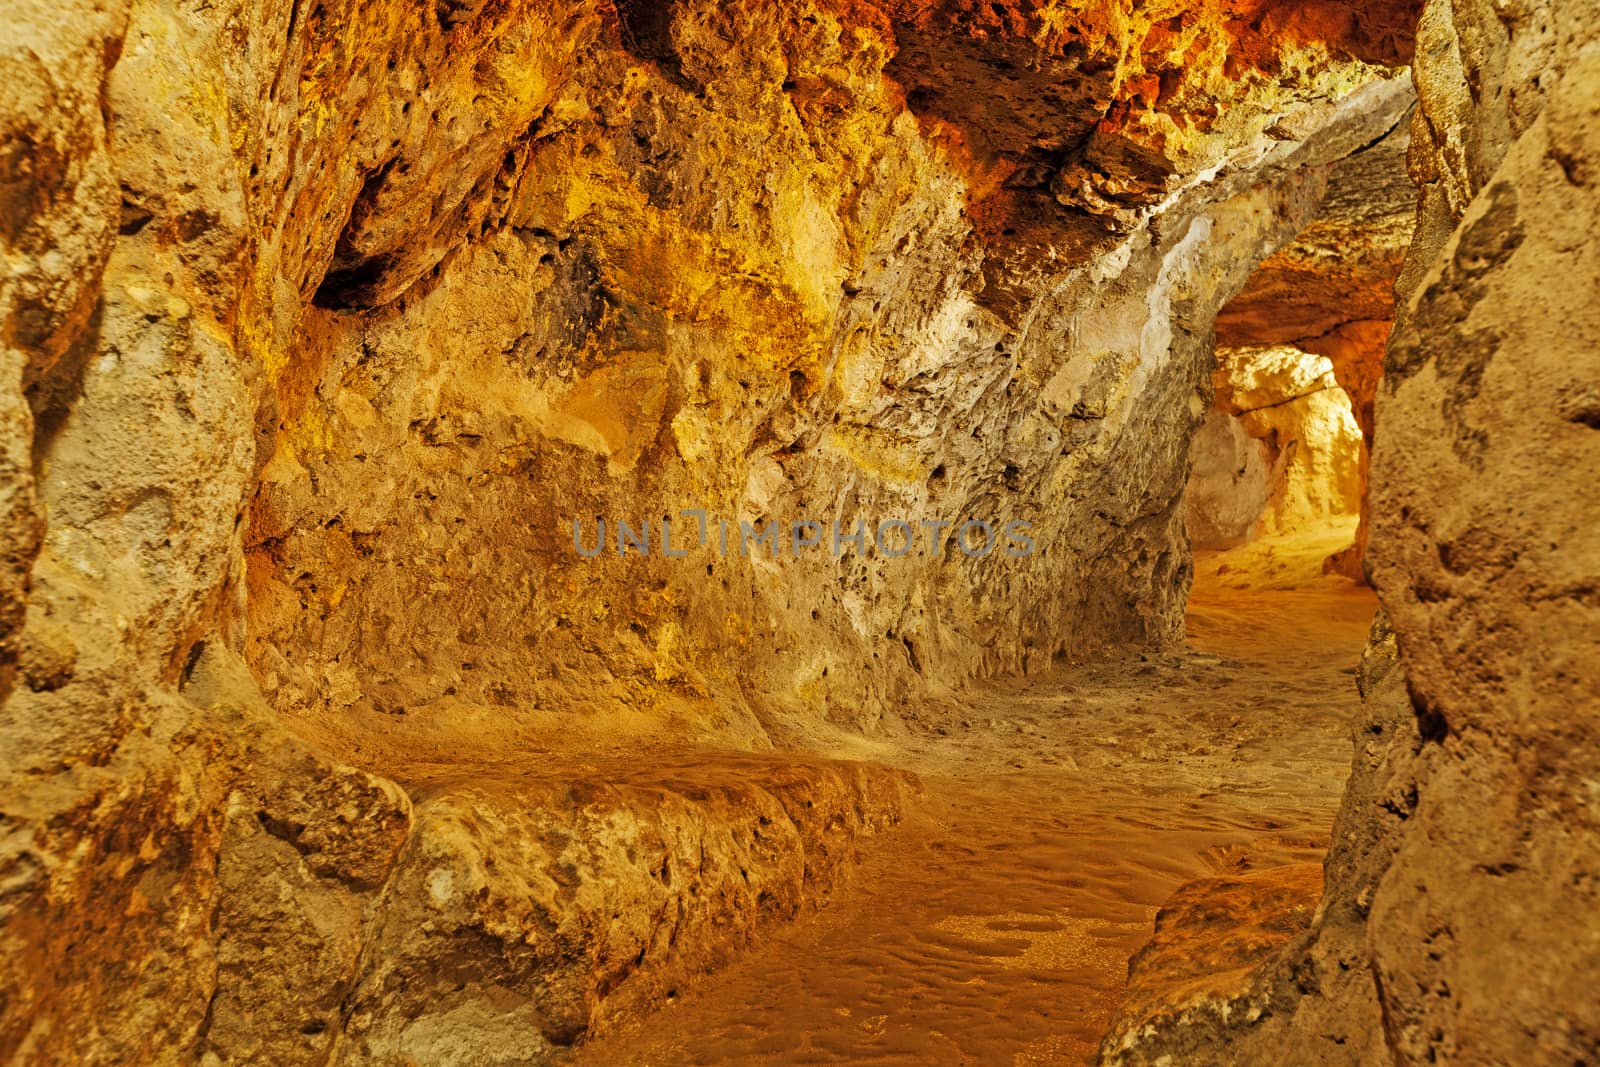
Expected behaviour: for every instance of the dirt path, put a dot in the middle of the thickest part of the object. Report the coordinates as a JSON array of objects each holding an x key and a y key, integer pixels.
[{"x": 994, "y": 928}]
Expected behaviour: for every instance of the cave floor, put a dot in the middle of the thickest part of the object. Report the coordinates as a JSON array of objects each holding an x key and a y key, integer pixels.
[{"x": 994, "y": 927}]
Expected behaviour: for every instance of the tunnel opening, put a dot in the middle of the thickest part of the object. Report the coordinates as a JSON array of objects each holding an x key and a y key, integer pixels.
[{"x": 1277, "y": 468}]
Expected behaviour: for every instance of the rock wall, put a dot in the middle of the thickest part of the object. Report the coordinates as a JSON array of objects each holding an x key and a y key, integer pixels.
[
  {"x": 829, "y": 328},
  {"x": 321, "y": 323},
  {"x": 1490, "y": 556},
  {"x": 1456, "y": 925},
  {"x": 1232, "y": 476}
]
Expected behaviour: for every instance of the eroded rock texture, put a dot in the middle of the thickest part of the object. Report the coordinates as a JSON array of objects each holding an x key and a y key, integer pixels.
[
  {"x": 815, "y": 330},
  {"x": 1457, "y": 923},
  {"x": 322, "y": 323}
]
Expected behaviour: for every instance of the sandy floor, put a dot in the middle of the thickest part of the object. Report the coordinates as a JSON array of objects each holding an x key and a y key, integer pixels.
[{"x": 994, "y": 927}]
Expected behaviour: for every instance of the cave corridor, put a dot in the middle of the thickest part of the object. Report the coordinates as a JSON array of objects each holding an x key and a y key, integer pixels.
[{"x": 636, "y": 533}]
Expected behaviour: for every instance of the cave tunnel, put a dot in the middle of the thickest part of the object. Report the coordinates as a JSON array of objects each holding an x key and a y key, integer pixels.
[{"x": 902, "y": 532}]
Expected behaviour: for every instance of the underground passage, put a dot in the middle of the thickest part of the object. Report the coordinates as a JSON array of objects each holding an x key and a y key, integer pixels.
[{"x": 639, "y": 533}]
